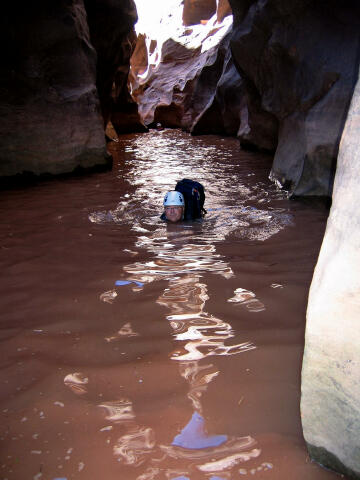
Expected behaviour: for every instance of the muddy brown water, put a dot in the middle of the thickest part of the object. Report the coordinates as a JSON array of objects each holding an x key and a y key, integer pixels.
[{"x": 133, "y": 349}]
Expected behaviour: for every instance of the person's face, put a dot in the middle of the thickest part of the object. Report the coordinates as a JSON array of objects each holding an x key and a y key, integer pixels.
[{"x": 173, "y": 213}]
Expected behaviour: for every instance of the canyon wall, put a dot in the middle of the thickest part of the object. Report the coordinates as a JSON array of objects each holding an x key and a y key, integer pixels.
[
  {"x": 176, "y": 67},
  {"x": 51, "y": 79},
  {"x": 280, "y": 78},
  {"x": 184, "y": 77},
  {"x": 330, "y": 401},
  {"x": 301, "y": 59},
  {"x": 111, "y": 25}
]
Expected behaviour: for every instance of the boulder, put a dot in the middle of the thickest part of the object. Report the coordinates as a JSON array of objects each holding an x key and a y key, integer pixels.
[
  {"x": 330, "y": 398},
  {"x": 300, "y": 59}
]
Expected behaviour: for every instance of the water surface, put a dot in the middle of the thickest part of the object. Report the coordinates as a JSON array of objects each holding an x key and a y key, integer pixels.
[{"x": 135, "y": 349}]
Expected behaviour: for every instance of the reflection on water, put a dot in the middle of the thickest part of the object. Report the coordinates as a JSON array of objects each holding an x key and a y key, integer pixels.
[
  {"x": 158, "y": 160},
  {"x": 134, "y": 447},
  {"x": 118, "y": 411},
  {"x": 182, "y": 264},
  {"x": 194, "y": 435},
  {"x": 181, "y": 255},
  {"x": 125, "y": 331},
  {"x": 140, "y": 350},
  {"x": 76, "y": 382},
  {"x": 247, "y": 298}
]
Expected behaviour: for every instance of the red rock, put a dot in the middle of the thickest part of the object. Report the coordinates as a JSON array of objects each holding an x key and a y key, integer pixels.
[
  {"x": 51, "y": 120},
  {"x": 196, "y": 11},
  {"x": 300, "y": 60},
  {"x": 181, "y": 80},
  {"x": 52, "y": 78},
  {"x": 112, "y": 33}
]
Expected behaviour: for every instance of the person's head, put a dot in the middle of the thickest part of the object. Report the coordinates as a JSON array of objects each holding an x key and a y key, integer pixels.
[{"x": 174, "y": 205}]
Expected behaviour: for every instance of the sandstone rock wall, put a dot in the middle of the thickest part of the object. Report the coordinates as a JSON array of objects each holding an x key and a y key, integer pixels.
[
  {"x": 285, "y": 88},
  {"x": 330, "y": 401},
  {"x": 50, "y": 115},
  {"x": 51, "y": 77},
  {"x": 182, "y": 69},
  {"x": 233, "y": 109},
  {"x": 300, "y": 59},
  {"x": 196, "y": 10},
  {"x": 111, "y": 25}
]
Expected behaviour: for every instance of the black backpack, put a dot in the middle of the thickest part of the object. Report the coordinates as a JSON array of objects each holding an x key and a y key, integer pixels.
[{"x": 194, "y": 196}]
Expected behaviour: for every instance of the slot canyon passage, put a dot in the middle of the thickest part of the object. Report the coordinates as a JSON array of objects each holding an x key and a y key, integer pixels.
[
  {"x": 216, "y": 349},
  {"x": 207, "y": 320}
]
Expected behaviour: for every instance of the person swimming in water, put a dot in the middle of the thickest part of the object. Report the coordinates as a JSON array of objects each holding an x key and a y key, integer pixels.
[
  {"x": 186, "y": 202},
  {"x": 174, "y": 207}
]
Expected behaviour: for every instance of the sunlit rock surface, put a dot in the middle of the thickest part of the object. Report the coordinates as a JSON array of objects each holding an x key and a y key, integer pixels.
[
  {"x": 330, "y": 404},
  {"x": 300, "y": 59},
  {"x": 182, "y": 65},
  {"x": 51, "y": 120},
  {"x": 283, "y": 84}
]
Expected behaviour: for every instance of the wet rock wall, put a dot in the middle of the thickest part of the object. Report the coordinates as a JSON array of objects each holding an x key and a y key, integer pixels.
[
  {"x": 301, "y": 59},
  {"x": 330, "y": 406},
  {"x": 53, "y": 71},
  {"x": 280, "y": 79}
]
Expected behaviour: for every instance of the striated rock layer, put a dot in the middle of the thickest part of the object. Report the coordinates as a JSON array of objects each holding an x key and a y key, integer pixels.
[
  {"x": 330, "y": 401},
  {"x": 51, "y": 75},
  {"x": 301, "y": 60}
]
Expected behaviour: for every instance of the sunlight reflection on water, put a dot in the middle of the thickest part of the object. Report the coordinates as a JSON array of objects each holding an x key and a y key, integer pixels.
[
  {"x": 182, "y": 254},
  {"x": 235, "y": 206}
]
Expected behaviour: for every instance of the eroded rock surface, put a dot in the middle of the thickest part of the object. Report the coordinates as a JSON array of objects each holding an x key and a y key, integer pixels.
[
  {"x": 301, "y": 60},
  {"x": 51, "y": 79},
  {"x": 286, "y": 87},
  {"x": 233, "y": 109},
  {"x": 50, "y": 121},
  {"x": 185, "y": 77},
  {"x": 111, "y": 25},
  {"x": 330, "y": 404},
  {"x": 183, "y": 67}
]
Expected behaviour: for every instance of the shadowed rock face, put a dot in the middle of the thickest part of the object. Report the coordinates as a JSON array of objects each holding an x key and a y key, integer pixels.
[
  {"x": 51, "y": 118},
  {"x": 197, "y": 10},
  {"x": 232, "y": 109},
  {"x": 111, "y": 25},
  {"x": 330, "y": 408},
  {"x": 300, "y": 59},
  {"x": 50, "y": 121}
]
